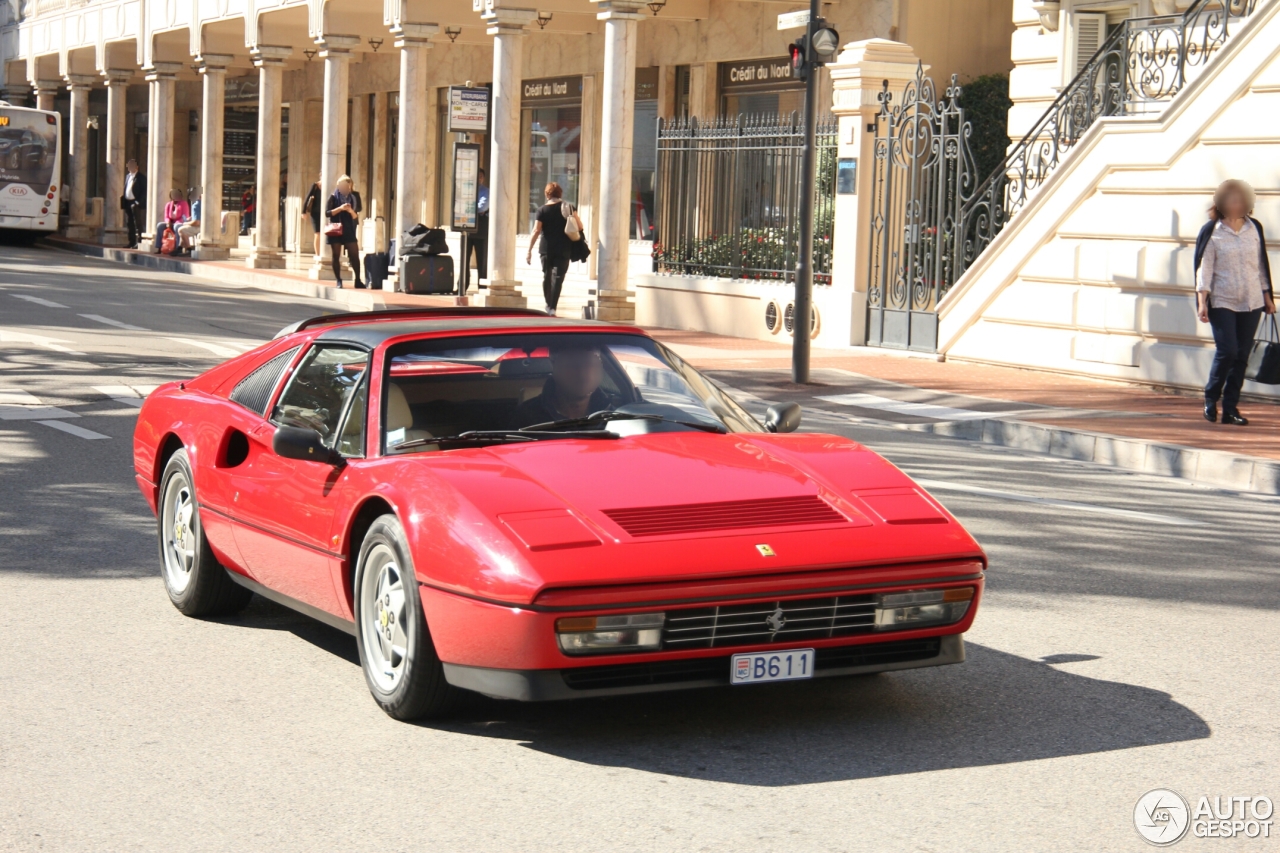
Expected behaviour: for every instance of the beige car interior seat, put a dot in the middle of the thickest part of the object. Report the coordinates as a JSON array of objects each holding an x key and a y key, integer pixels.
[{"x": 400, "y": 417}]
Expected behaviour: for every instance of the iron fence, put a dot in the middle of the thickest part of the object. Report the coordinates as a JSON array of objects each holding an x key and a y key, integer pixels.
[{"x": 728, "y": 197}]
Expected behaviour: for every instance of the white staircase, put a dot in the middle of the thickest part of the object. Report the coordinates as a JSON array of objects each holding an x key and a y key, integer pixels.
[{"x": 1094, "y": 275}]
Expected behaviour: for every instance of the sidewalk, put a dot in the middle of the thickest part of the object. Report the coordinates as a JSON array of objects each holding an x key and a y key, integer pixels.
[{"x": 1127, "y": 426}]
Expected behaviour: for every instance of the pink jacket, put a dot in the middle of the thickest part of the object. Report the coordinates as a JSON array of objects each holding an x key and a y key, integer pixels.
[{"x": 176, "y": 211}]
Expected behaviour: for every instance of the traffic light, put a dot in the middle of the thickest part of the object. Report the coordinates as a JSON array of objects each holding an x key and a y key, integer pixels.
[
  {"x": 799, "y": 62},
  {"x": 813, "y": 49}
]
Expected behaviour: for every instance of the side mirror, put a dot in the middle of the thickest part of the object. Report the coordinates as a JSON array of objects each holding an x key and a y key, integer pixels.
[
  {"x": 782, "y": 418},
  {"x": 301, "y": 443}
]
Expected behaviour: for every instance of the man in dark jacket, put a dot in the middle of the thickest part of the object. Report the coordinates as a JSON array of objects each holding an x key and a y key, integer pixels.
[
  {"x": 571, "y": 391},
  {"x": 133, "y": 201}
]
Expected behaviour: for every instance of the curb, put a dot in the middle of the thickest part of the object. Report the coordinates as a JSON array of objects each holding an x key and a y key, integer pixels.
[
  {"x": 1209, "y": 467},
  {"x": 225, "y": 273}
]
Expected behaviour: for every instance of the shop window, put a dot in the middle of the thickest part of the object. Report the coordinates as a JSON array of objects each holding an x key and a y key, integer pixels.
[
  {"x": 551, "y": 121},
  {"x": 644, "y": 153}
]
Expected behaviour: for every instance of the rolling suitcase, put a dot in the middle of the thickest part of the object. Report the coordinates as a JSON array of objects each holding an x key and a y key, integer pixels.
[
  {"x": 375, "y": 268},
  {"x": 427, "y": 275}
]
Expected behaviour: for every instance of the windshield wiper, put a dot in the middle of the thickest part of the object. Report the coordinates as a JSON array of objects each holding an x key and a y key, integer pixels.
[
  {"x": 605, "y": 417},
  {"x": 497, "y": 436}
]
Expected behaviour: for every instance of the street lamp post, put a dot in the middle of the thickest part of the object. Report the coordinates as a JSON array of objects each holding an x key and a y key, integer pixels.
[{"x": 809, "y": 53}]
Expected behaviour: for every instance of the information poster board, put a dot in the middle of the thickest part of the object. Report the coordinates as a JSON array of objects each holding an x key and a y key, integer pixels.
[
  {"x": 466, "y": 177},
  {"x": 468, "y": 110}
]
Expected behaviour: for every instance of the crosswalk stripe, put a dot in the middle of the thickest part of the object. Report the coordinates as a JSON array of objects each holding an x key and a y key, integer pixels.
[
  {"x": 37, "y": 300},
  {"x": 903, "y": 407},
  {"x": 216, "y": 349},
  {"x": 129, "y": 395},
  {"x": 19, "y": 405},
  {"x": 107, "y": 321},
  {"x": 78, "y": 431},
  {"x": 10, "y": 336}
]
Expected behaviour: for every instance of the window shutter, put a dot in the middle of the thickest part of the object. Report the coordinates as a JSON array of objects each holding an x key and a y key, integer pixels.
[{"x": 1089, "y": 30}]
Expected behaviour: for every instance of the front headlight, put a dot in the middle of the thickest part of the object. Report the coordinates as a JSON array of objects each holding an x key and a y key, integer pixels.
[
  {"x": 588, "y": 635},
  {"x": 922, "y": 608}
]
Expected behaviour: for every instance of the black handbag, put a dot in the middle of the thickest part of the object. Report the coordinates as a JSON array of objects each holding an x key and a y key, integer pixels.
[{"x": 1264, "y": 358}]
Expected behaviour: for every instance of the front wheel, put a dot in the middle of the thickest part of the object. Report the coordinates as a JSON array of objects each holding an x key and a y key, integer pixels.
[
  {"x": 400, "y": 664},
  {"x": 197, "y": 583}
]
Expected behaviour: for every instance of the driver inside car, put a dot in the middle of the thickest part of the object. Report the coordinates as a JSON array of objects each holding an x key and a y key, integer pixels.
[{"x": 571, "y": 391}]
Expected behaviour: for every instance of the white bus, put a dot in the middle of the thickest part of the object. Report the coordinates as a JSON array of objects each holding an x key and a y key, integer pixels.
[{"x": 30, "y": 168}]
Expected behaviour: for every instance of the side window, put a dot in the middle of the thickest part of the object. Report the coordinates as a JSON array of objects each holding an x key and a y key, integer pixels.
[
  {"x": 321, "y": 389},
  {"x": 254, "y": 391}
]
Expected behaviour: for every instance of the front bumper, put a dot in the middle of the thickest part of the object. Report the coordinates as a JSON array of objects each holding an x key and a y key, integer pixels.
[{"x": 616, "y": 679}]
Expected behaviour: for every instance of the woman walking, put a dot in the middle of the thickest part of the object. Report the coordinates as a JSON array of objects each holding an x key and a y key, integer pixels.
[
  {"x": 554, "y": 247},
  {"x": 1233, "y": 288},
  {"x": 340, "y": 210},
  {"x": 311, "y": 207}
]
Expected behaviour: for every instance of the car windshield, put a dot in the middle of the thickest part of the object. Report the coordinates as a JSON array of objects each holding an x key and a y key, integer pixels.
[
  {"x": 13, "y": 134},
  {"x": 439, "y": 393}
]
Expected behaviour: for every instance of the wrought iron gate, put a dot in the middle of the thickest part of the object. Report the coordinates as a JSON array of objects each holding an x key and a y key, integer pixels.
[
  {"x": 933, "y": 215},
  {"x": 923, "y": 174}
]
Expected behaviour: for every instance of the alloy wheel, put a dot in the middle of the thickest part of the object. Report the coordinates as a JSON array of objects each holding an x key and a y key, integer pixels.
[
  {"x": 383, "y": 619},
  {"x": 179, "y": 537}
]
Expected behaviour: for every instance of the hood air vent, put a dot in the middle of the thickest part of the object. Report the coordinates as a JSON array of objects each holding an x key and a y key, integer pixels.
[{"x": 726, "y": 515}]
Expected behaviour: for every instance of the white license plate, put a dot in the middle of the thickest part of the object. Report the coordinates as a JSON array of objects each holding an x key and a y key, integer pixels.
[{"x": 771, "y": 666}]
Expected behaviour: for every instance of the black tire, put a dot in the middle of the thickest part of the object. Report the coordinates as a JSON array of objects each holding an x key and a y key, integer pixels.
[
  {"x": 415, "y": 688},
  {"x": 208, "y": 591}
]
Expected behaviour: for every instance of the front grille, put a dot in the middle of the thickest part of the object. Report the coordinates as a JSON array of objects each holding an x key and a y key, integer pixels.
[
  {"x": 724, "y": 515},
  {"x": 715, "y": 670},
  {"x": 769, "y": 622}
]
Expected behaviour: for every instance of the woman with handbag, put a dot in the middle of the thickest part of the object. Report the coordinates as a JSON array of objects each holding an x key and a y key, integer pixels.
[
  {"x": 1233, "y": 288},
  {"x": 559, "y": 227},
  {"x": 340, "y": 213}
]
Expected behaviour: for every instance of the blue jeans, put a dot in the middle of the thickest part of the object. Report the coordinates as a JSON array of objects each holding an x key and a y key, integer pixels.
[{"x": 1233, "y": 333}]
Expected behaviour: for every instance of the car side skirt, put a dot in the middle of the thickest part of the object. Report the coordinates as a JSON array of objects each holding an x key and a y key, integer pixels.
[
  {"x": 294, "y": 604},
  {"x": 541, "y": 685}
]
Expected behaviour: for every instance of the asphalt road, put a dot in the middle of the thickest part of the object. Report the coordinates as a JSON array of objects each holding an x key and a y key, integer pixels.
[{"x": 1127, "y": 642}]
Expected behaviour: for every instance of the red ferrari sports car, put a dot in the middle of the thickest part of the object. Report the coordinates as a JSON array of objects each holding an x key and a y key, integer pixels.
[{"x": 497, "y": 501}]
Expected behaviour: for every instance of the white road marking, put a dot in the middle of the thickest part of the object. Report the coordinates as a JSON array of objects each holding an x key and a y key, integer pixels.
[
  {"x": 11, "y": 336},
  {"x": 903, "y": 407},
  {"x": 79, "y": 432},
  {"x": 941, "y": 486},
  {"x": 19, "y": 405},
  {"x": 129, "y": 395},
  {"x": 216, "y": 349},
  {"x": 107, "y": 321},
  {"x": 37, "y": 300},
  {"x": 244, "y": 346},
  {"x": 18, "y": 397}
]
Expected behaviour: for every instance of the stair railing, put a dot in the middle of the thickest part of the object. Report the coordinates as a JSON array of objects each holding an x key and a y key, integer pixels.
[{"x": 1142, "y": 65}]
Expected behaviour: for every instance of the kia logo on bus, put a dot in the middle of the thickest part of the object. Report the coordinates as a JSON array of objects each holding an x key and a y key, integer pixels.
[{"x": 18, "y": 191}]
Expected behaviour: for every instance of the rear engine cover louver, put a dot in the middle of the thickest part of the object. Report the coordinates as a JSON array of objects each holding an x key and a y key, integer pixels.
[{"x": 726, "y": 515}]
